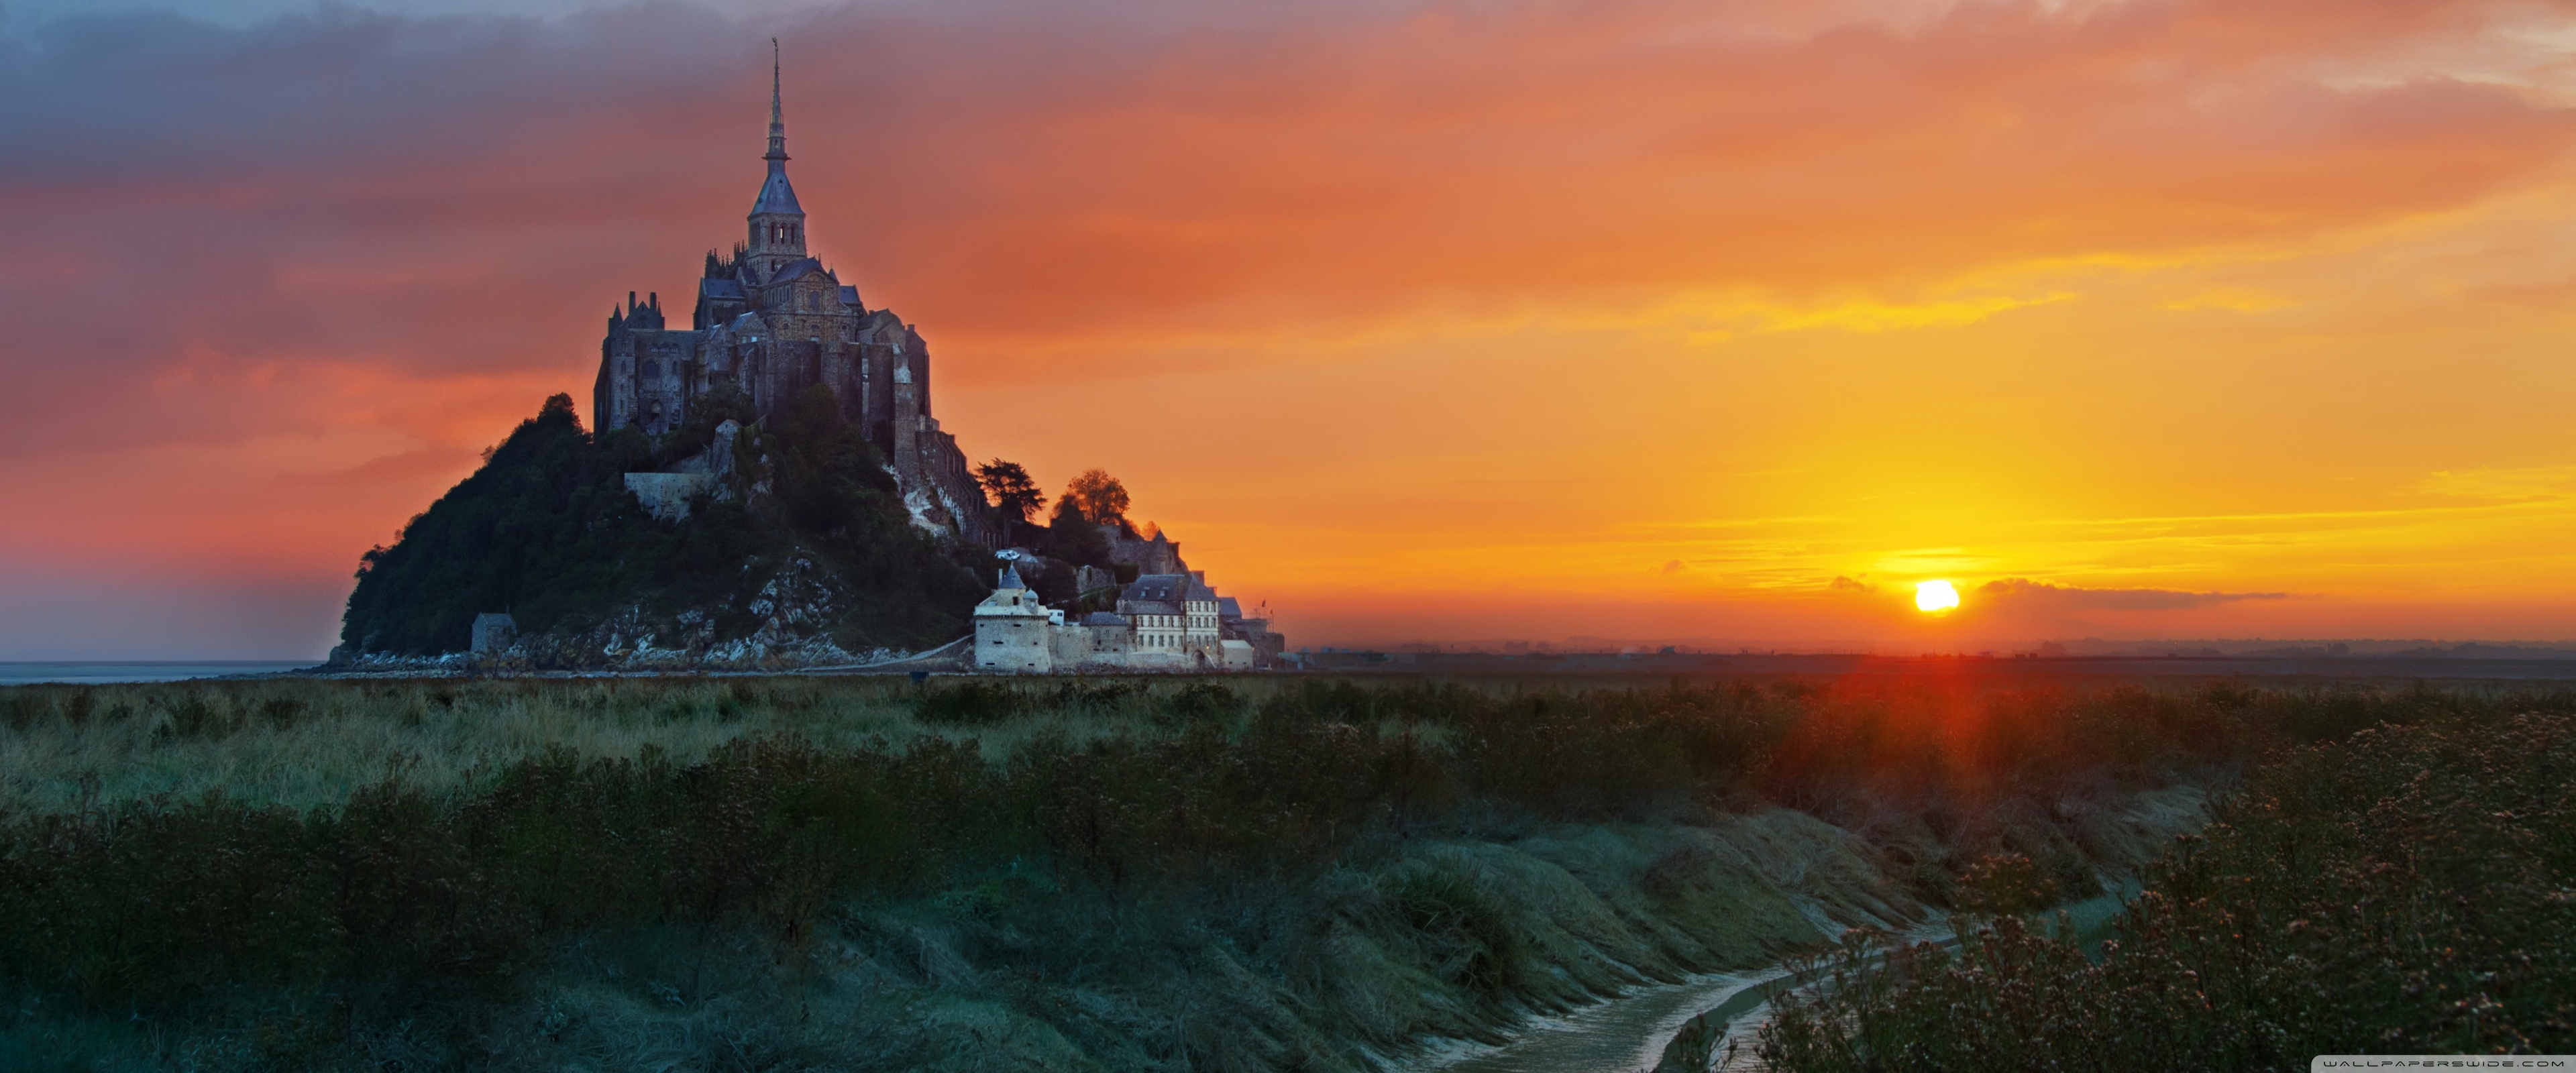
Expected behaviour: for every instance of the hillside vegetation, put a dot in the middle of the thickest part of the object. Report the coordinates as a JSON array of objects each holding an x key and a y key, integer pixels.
[
  {"x": 817, "y": 548},
  {"x": 794, "y": 874},
  {"x": 2407, "y": 890}
]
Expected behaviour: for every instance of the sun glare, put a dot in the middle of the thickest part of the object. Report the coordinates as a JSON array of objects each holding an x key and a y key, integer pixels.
[{"x": 1935, "y": 597}]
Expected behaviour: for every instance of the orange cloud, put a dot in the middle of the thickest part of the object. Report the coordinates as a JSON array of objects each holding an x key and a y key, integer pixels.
[{"x": 1497, "y": 307}]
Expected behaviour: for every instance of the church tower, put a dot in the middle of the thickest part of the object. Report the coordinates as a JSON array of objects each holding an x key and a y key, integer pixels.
[
  {"x": 777, "y": 222},
  {"x": 771, "y": 322}
]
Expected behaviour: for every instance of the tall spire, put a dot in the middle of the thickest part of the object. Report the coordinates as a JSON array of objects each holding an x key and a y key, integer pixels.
[
  {"x": 776, "y": 196},
  {"x": 777, "y": 119},
  {"x": 777, "y": 230}
]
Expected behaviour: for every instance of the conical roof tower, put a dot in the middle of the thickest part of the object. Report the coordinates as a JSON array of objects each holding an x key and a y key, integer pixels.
[{"x": 777, "y": 221}]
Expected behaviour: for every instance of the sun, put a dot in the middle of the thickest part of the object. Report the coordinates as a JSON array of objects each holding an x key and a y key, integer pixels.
[{"x": 1936, "y": 597}]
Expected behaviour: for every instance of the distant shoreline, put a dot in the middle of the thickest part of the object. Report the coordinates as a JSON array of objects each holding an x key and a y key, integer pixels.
[
  {"x": 2341, "y": 668},
  {"x": 114, "y": 671},
  {"x": 1393, "y": 664}
]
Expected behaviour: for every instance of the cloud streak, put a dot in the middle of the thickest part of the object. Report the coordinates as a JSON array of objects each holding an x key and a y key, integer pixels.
[
  {"x": 249, "y": 256},
  {"x": 2019, "y": 594},
  {"x": 1068, "y": 181}
]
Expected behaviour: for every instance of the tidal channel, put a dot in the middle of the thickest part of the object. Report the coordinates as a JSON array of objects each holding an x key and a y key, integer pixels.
[{"x": 1627, "y": 1034}]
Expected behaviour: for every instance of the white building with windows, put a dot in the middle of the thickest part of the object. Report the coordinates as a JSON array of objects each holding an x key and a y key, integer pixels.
[
  {"x": 1014, "y": 631},
  {"x": 1164, "y": 622},
  {"x": 1174, "y": 616}
]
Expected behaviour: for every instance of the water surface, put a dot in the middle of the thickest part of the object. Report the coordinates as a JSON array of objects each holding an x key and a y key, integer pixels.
[{"x": 102, "y": 672}]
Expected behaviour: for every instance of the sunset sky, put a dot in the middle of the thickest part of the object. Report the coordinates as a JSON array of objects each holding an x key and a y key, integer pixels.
[{"x": 1721, "y": 322}]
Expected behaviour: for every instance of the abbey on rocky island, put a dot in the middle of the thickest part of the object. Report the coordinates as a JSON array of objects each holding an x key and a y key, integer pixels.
[{"x": 771, "y": 321}]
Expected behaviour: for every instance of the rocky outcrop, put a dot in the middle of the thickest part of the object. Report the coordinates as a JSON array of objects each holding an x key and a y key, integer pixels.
[{"x": 792, "y": 615}]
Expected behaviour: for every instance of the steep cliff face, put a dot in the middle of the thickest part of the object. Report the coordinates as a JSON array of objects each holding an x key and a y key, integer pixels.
[{"x": 794, "y": 548}]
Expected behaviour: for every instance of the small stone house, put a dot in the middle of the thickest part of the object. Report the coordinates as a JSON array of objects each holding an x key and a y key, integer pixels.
[{"x": 494, "y": 634}]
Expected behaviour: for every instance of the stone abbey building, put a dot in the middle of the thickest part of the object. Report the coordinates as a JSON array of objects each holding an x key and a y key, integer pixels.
[{"x": 771, "y": 321}]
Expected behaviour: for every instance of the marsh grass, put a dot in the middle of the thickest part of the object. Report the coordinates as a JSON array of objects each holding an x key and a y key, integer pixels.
[
  {"x": 2406, "y": 890},
  {"x": 782, "y": 873},
  {"x": 303, "y": 743}
]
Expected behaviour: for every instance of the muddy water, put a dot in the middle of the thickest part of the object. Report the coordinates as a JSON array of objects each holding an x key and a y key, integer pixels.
[{"x": 1627, "y": 1034}]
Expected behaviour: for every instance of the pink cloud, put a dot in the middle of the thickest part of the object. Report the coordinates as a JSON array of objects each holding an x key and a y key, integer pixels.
[{"x": 393, "y": 236}]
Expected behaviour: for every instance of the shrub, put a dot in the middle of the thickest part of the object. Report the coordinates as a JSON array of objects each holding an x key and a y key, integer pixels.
[
  {"x": 1161, "y": 793},
  {"x": 972, "y": 704},
  {"x": 1469, "y": 933},
  {"x": 2402, "y": 891}
]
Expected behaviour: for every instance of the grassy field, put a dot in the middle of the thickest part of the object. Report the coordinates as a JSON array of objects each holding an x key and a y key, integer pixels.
[
  {"x": 801, "y": 873},
  {"x": 2407, "y": 890}
]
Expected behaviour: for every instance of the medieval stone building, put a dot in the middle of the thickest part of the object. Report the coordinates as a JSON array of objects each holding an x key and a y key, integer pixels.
[
  {"x": 770, "y": 321},
  {"x": 1164, "y": 622}
]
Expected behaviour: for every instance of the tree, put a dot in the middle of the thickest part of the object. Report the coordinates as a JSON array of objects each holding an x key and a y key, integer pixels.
[
  {"x": 1098, "y": 496},
  {"x": 1074, "y": 539},
  {"x": 726, "y": 401},
  {"x": 829, "y": 476},
  {"x": 1015, "y": 496}
]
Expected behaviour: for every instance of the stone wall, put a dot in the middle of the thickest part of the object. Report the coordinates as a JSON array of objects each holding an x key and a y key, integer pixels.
[
  {"x": 666, "y": 495},
  {"x": 1160, "y": 555},
  {"x": 493, "y": 634},
  {"x": 1013, "y": 645},
  {"x": 1068, "y": 646}
]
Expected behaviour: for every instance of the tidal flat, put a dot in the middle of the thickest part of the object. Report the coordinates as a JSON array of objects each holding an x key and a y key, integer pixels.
[{"x": 1260, "y": 873}]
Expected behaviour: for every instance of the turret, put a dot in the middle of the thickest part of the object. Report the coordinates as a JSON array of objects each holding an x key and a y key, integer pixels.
[
  {"x": 777, "y": 221},
  {"x": 638, "y": 316},
  {"x": 906, "y": 426}
]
